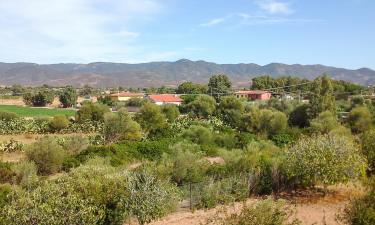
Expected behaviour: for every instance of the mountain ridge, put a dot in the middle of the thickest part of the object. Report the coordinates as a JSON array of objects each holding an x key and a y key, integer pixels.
[{"x": 153, "y": 74}]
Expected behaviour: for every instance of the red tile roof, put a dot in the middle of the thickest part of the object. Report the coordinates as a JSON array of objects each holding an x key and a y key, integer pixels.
[
  {"x": 249, "y": 92},
  {"x": 127, "y": 94},
  {"x": 165, "y": 98}
]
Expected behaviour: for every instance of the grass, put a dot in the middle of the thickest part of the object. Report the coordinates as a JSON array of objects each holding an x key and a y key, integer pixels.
[{"x": 35, "y": 112}]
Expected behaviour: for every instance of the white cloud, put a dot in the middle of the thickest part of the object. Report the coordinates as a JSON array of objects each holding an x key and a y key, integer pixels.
[
  {"x": 215, "y": 21},
  {"x": 72, "y": 30},
  {"x": 275, "y": 7}
]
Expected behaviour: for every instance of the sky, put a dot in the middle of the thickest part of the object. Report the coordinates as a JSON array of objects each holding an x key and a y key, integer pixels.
[{"x": 337, "y": 33}]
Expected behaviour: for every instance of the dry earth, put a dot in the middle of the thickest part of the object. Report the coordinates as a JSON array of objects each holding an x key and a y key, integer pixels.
[{"x": 311, "y": 208}]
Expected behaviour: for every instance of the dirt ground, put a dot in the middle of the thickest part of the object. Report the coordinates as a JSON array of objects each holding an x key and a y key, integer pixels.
[{"x": 311, "y": 208}]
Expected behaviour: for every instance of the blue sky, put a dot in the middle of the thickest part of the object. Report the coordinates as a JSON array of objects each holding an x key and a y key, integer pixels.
[{"x": 331, "y": 32}]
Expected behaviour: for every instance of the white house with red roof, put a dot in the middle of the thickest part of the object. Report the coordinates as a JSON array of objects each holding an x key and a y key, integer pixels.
[
  {"x": 163, "y": 99},
  {"x": 253, "y": 94}
]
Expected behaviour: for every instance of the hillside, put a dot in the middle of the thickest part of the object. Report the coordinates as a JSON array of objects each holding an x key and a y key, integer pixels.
[{"x": 103, "y": 74}]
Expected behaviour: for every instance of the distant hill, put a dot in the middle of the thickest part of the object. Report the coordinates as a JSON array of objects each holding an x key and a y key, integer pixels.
[{"x": 154, "y": 74}]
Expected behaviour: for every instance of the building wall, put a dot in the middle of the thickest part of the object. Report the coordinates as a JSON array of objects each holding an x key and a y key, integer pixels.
[{"x": 166, "y": 103}]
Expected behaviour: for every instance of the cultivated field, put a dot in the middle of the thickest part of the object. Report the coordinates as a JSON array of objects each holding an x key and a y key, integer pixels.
[{"x": 35, "y": 112}]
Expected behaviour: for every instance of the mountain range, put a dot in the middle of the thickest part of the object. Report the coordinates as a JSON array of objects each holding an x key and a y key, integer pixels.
[{"x": 155, "y": 74}]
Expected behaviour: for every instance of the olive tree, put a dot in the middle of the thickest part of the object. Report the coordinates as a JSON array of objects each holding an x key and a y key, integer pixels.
[
  {"x": 324, "y": 159},
  {"x": 202, "y": 107}
]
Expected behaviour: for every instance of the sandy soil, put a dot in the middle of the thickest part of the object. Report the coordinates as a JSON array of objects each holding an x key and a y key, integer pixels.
[{"x": 312, "y": 208}]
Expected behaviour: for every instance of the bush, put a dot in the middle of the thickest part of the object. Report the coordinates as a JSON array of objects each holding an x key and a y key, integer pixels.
[
  {"x": 11, "y": 146},
  {"x": 326, "y": 160},
  {"x": 361, "y": 211},
  {"x": 92, "y": 112},
  {"x": 368, "y": 148},
  {"x": 26, "y": 174},
  {"x": 151, "y": 119},
  {"x": 263, "y": 212},
  {"x": 299, "y": 116},
  {"x": 324, "y": 123},
  {"x": 58, "y": 123},
  {"x": 198, "y": 134},
  {"x": 202, "y": 107},
  {"x": 171, "y": 112},
  {"x": 5, "y": 190},
  {"x": 120, "y": 127},
  {"x": 360, "y": 119},
  {"x": 6, "y": 173},
  {"x": 74, "y": 145},
  {"x": 47, "y": 155},
  {"x": 7, "y": 116}
]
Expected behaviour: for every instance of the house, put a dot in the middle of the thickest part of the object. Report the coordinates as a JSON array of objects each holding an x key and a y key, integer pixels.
[
  {"x": 163, "y": 99},
  {"x": 253, "y": 95},
  {"x": 125, "y": 96}
]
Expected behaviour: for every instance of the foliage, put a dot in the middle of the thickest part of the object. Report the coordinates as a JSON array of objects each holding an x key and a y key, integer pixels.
[
  {"x": 151, "y": 119},
  {"x": 324, "y": 159},
  {"x": 368, "y": 148},
  {"x": 73, "y": 145},
  {"x": 360, "y": 119},
  {"x": 230, "y": 110},
  {"x": 324, "y": 123},
  {"x": 191, "y": 88},
  {"x": 202, "y": 107},
  {"x": 171, "y": 112},
  {"x": 46, "y": 154},
  {"x": 198, "y": 134},
  {"x": 321, "y": 98},
  {"x": 11, "y": 146},
  {"x": 361, "y": 211},
  {"x": 58, "y": 123},
  {"x": 92, "y": 112},
  {"x": 7, "y": 116},
  {"x": 219, "y": 85},
  {"x": 120, "y": 126},
  {"x": 263, "y": 212},
  {"x": 39, "y": 98},
  {"x": 68, "y": 97},
  {"x": 299, "y": 116}
]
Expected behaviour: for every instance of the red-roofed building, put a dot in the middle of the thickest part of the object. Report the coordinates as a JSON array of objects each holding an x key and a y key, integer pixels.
[
  {"x": 163, "y": 99},
  {"x": 254, "y": 95},
  {"x": 125, "y": 96}
]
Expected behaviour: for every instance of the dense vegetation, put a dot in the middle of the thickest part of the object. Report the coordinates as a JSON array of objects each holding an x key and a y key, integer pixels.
[{"x": 221, "y": 149}]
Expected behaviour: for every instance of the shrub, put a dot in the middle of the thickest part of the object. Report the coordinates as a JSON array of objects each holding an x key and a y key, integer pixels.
[
  {"x": 26, "y": 174},
  {"x": 58, "y": 123},
  {"x": 92, "y": 111},
  {"x": 324, "y": 123},
  {"x": 361, "y": 211},
  {"x": 202, "y": 107},
  {"x": 368, "y": 148},
  {"x": 7, "y": 116},
  {"x": 120, "y": 127},
  {"x": 263, "y": 212},
  {"x": 151, "y": 119},
  {"x": 360, "y": 119},
  {"x": 6, "y": 173},
  {"x": 74, "y": 145},
  {"x": 5, "y": 190},
  {"x": 171, "y": 112},
  {"x": 299, "y": 116},
  {"x": 11, "y": 146},
  {"x": 198, "y": 134},
  {"x": 327, "y": 159},
  {"x": 230, "y": 110},
  {"x": 47, "y": 155}
]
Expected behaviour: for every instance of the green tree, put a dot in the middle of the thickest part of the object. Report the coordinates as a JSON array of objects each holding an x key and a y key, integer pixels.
[
  {"x": 171, "y": 112},
  {"x": 92, "y": 112},
  {"x": 322, "y": 97},
  {"x": 324, "y": 159},
  {"x": 202, "y": 107},
  {"x": 189, "y": 87},
  {"x": 299, "y": 116},
  {"x": 230, "y": 110},
  {"x": 151, "y": 119},
  {"x": 360, "y": 119},
  {"x": 324, "y": 123},
  {"x": 219, "y": 85},
  {"x": 47, "y": 155},
  {"x": 120, "y": 126},
  {"x": 198, "y": 134},
  {"x": 68, "y": 97}
]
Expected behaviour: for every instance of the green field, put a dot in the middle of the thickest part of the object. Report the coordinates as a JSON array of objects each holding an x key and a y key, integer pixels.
[{"x": 35, "y": 112}]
